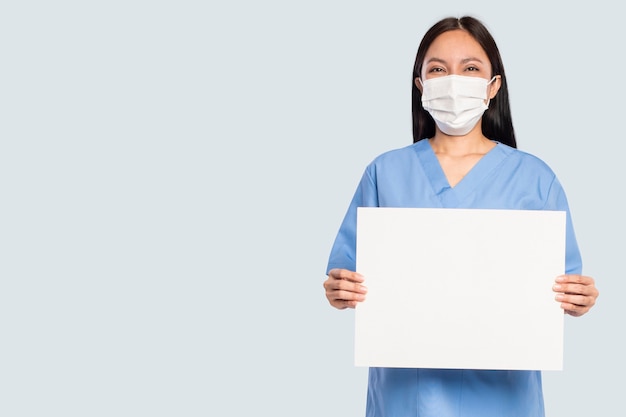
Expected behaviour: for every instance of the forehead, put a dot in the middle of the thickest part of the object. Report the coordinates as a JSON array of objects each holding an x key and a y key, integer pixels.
[{"x": 455, "y": 45}]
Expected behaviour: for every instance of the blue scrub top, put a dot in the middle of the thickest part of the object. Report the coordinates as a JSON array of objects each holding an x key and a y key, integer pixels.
[{"x": 504, "y": 178}]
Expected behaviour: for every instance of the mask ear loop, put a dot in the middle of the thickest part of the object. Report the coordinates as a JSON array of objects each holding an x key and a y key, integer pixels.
[{"x": 490, "y": 81}]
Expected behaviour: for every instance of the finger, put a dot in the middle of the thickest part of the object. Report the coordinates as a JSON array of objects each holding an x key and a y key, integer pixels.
[
  {"x": 576, "y": 284},
  {"x": 575, "y": 300},
  {"x": 341, "y": 285},
  {"x": 343, "y": 299},
  {"x": 339, "y": 296},
  {"x": 343, "y": 279},
  {"x": 576, "y": 289},
  {"x": 577, "y": 293},
  {"x": 346, "y": 274},
  {"x": 343, "y": 304},
  {"x": 575, "y": 279},
  {"x": 574, "y": 310}
]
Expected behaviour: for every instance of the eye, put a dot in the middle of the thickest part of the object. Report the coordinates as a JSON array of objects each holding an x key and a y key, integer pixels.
[
  {"x": 472, "y": 68},
  {"x": 436, "y": 69}
]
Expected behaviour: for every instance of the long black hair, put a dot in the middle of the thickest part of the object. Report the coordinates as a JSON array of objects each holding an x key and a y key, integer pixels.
[{"x": 497, "y": 123}]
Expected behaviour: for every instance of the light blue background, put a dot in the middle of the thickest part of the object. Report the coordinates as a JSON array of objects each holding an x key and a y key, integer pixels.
[{"x": 173, "y": 173}]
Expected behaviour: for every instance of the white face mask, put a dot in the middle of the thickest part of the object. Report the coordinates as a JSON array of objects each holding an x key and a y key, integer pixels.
[{"x": 455, "y": 102}]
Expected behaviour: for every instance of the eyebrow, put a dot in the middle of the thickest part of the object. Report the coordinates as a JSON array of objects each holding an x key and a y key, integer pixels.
[{"x": 463, "y": 61}]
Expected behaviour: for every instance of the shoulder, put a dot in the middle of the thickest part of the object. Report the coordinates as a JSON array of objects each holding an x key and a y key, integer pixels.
[
  {"x": 394, "y": 163},
  {"x": 397, "y": 156},
  {"x": 525, "y": 161}
]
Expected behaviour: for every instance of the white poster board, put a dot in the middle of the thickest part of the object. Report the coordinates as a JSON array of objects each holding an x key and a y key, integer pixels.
[{"x": 460, "y": 288}]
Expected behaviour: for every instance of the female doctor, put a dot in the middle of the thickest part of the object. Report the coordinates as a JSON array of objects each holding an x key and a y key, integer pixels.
[{"x": 464, "y": 156}]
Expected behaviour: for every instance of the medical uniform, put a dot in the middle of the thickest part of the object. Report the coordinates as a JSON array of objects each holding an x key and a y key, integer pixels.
[{"x": 504, "y": 178}]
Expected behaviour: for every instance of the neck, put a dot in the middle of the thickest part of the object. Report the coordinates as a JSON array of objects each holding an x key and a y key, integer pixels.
[{"x": 472, "y": 143}]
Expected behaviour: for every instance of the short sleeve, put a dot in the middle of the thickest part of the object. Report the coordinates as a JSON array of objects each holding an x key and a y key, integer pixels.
[{"x": 343, "y": 252}]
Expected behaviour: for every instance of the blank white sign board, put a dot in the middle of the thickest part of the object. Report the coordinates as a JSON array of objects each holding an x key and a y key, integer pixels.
[{"x": 460, "y": 288}]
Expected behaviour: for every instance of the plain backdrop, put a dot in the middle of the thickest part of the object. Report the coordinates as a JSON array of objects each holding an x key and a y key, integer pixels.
[{"x": 173, "y": 173}]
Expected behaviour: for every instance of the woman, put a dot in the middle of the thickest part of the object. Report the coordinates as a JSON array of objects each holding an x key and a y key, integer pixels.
[{"x": 464, "y": 156}]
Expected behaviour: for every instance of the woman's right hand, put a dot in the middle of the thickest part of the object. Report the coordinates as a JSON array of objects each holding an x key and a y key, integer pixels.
[{"x": 344, "y": 288}]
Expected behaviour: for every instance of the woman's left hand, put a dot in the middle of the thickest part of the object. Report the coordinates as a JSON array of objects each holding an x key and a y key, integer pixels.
[{"x": 576, "y": 293}]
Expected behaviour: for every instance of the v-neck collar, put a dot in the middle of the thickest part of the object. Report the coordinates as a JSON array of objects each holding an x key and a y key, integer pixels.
[{"x": 454, "y": 196}]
